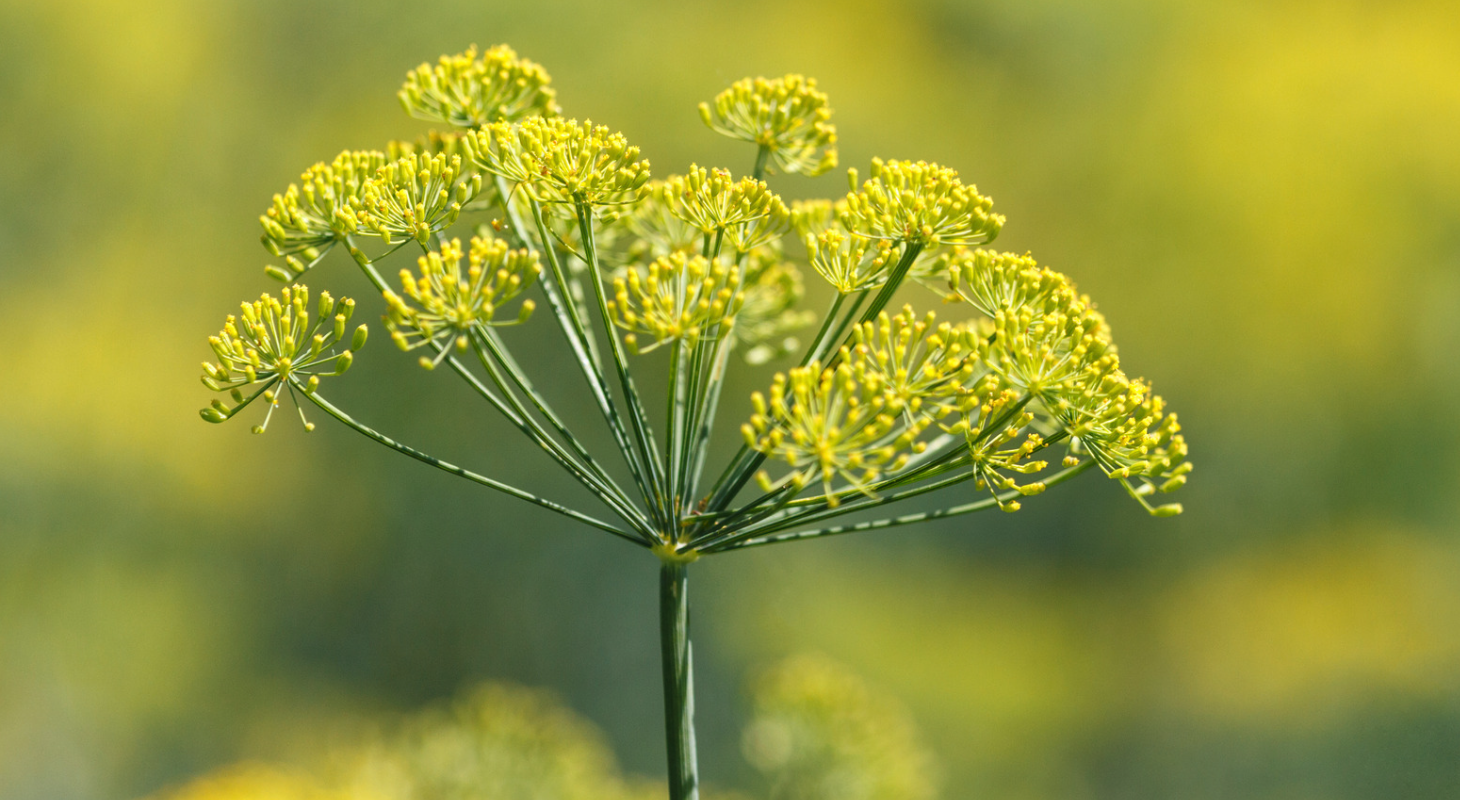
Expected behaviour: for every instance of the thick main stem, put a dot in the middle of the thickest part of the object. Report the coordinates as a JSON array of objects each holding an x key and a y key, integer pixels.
[{"x": 679, "y": 686}]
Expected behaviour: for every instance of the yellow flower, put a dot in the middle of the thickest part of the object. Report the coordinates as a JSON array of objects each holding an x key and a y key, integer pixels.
[
  {"x": 907, "y": 201},
  {"x": 311, "y": 216},
  {"x": 416, "y": 196},
  {"x": 468, "y": 92},
  {"x": 448, "y": 304},
  {"x": 787, "y": 116},
  {"x": 277, "y": 343},
  {"x": 675, "y": 298},
  {"x": 562, "y": 161}
]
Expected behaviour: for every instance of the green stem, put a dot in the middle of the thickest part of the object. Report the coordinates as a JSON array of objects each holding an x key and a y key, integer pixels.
[
  {"x": 638, "y": 422},
  {"x": 760, "y": 160},
  {"x": 906, "y": 519},
  {"x": 425, "y": 458},
  {"x": 571, "y": 322},
  {"x": 746, "y": 461},
  {"x": 679, "y": 701},
  {"x": 910, "y": 253}
]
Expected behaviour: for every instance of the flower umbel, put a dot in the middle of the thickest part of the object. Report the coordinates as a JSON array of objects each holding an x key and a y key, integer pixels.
[
  {"x": 562, "y": 161},
  {"x": 832, "y": 423},
  {"x": 311, "y": 216},
  {"x": 675, "y": 298},
  {"x": 468, "y": 92},
  {"x": 746, "y": 211},
  {"x": 698, "y": 262},
  {"x": 447, "y": 304},
  {"x": 417, "y": 196},
  {"x": 908, "y": 201},
  {"x": 786, "y": 116},
  {"x": 274, "y": 342},
  {"x": 850, "y": 262}
]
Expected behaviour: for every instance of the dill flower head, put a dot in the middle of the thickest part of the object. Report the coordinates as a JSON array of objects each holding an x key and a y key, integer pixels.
[
  {"x": 768, "y": 314},
  {"x": 1040, "y": 350},
  {"x": 447, "y": 303},
  {"x": 809, "y": 218},
  {"x": 469, "y": 92},
  {"x": 430, "y": 143},
  {"x": 918, "y": 360},
  {"x": 850, "y": 262},
  {"x": 787, "y": 116},
  {"x": 277, "y": 342},
  {"x": 317, "y": 212},
  {"x": 993, "y": 282},
  {"x": 829, "y": 423},
  {"x": 416, "y": 196},
  {"x": 656, "y": 229},
  {"x": 1128, "y": 433},
  {"x": 675, "y": 298},
  {"x": 909, "y": 201},
  {"x": 746, "y": 211},
  {"x": 562, "y": 161}
]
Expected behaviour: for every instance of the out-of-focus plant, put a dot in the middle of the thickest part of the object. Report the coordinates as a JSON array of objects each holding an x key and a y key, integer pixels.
[
  {"x": 503, "y": 742},
  {"x": 254, "y": 782},
  {"x": 818, "y": 732},
  {"x": 885, "y": 405}
]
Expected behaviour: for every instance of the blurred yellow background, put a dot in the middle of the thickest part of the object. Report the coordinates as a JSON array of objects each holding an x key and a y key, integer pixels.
[{"x": 1263, "y": 197}]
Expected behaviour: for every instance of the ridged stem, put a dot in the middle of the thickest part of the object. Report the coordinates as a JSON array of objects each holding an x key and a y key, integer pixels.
[{"x": 679, "y": 687}]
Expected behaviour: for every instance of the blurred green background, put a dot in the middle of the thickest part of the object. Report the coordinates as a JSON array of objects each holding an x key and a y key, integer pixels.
[{"x": 1264, "y": 198}]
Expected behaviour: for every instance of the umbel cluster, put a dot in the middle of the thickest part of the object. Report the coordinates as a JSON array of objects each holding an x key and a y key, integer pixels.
[{"x": 884, "y": 403}]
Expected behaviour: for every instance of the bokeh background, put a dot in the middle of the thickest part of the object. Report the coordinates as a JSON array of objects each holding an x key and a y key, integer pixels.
[{"x": 1264, "y": 198}]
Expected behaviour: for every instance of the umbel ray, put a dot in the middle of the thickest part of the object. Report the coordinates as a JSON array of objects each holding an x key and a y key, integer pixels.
[{"x": 885, "y": 403}]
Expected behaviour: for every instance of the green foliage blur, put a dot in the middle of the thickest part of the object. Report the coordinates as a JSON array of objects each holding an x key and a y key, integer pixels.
[{"x": 1264, "y": 198}]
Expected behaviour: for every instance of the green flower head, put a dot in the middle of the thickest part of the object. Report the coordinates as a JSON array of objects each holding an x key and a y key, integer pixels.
[
  {"x": 562, "y": 161},
  {"x": 319, "y": 211},
  {"x": 787, "y": 116},
  {"x": 833, "y": 422},
  {"x": 746, "y": 211},
  {"x": 469, "y": 92},
  {"x": 675, "y": 298},
  {"x": 416, "y": 196},
  {"x": 277, "y": 343},
  {"x": 446, "y": 304},
  {"x": 907, "y": 201},
  {"x": 772, "y": 290}
]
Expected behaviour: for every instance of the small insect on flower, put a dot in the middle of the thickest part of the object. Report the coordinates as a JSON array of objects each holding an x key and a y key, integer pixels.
[
  {"x": 448, "y": 306},
  {"x": 675, "y": 298},
  {"x": 417, "y": 196},
  {"x": 907, "y": 201},
  {"x": 321, "y": 210},
  {"x": 562, "y": 162},
  {"x": 276, "y": 345},
  {"x": 786, "y": 116},
  {"x": 468, "y": 92}
]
